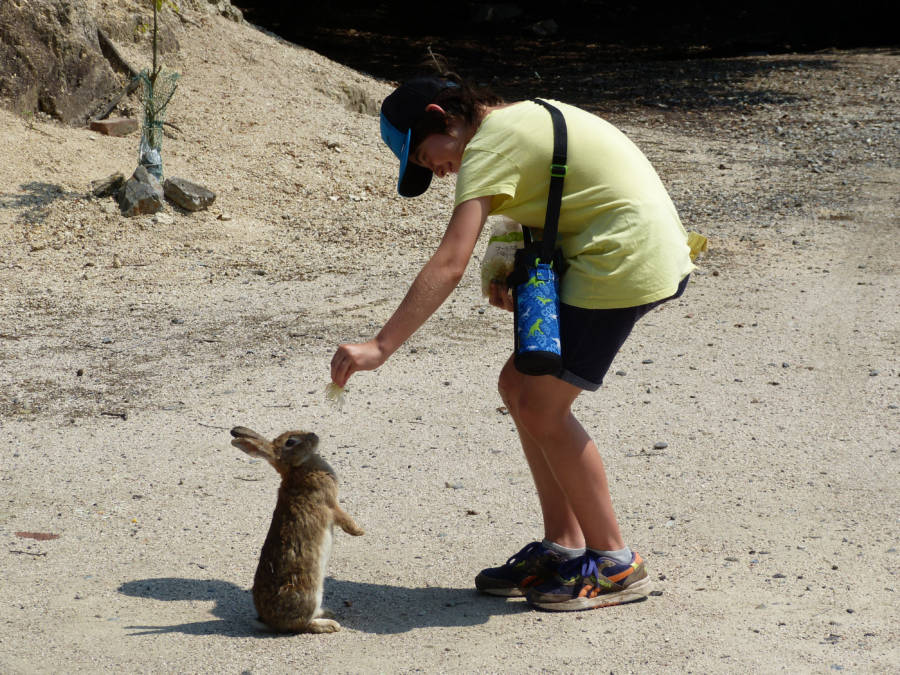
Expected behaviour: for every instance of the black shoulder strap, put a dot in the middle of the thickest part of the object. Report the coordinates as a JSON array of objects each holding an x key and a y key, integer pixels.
[{"x": 557, "y": 177}]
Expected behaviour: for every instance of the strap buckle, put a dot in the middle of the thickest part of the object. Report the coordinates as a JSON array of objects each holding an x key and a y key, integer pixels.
[{"x": 559, "y": 170}]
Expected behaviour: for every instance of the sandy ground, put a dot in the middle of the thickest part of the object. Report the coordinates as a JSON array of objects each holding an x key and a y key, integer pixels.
[{"x": 128, "y": 348}]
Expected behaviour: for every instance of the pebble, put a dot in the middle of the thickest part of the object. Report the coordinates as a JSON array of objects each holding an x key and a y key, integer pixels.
[
  {"x": 647, "y": 361},
  {"x": 660, "y": 445},
  {"x": 621, "y": 373}
]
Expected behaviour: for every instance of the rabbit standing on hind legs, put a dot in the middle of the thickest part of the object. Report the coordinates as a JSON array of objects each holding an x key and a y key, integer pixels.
[{"x": 290, "y": 577}]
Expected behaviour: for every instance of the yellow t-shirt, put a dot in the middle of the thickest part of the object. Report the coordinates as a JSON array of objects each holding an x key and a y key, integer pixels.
[{"x": 618, "y": 229}]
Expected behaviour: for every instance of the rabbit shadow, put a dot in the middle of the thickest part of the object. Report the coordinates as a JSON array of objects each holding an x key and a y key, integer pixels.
[
  {"x": 370, "y": 608},
  {"x": 233, "y": 605}
]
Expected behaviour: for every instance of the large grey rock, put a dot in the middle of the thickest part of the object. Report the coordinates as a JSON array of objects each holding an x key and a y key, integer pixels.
[
  {"x": 188, "y": 195},
  {"x": 53, "y": 61},
  {"x": 141, "y": 195},
  {"x": 50, "y": 59}
]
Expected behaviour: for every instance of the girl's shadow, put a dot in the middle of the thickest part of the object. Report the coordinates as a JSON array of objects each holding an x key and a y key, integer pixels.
[{"x": 370, "y": 608}]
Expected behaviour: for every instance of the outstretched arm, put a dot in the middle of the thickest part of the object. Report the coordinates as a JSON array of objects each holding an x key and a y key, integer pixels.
[{"x": 434, "y": 283}]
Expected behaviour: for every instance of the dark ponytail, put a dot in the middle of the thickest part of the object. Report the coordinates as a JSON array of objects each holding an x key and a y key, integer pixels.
[{"x": 462, "y": 102}]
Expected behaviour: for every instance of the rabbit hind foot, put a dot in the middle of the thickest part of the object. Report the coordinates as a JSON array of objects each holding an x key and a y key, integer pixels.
[{"x": 322, "y": 626}]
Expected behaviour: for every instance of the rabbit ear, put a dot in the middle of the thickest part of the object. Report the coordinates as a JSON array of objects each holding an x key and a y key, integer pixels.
[
  {"x": 244, "y": 432},
  {"x": 252, "y": 443}
]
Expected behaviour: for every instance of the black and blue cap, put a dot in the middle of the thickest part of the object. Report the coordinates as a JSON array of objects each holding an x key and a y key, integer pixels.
[{"x": 399, "y": 114}]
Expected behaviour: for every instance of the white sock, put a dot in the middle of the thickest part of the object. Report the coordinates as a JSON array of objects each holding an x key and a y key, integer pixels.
[
  {"x": 623, "y": 556},
  {"x": 565, "y": 552}
]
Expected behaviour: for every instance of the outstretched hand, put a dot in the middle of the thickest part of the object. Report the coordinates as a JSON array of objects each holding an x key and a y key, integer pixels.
[{"x": 350, "y": 358}]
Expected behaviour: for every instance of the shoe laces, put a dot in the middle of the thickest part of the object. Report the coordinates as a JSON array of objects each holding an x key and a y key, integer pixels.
[
  {"x": 527, "y": 552},
  {"x": 585, "y": 565}
]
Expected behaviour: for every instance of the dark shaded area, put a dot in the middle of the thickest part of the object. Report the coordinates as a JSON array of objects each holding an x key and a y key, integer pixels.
[
  {"x": 36, "y": 198},
  {"x": 500, "y": 42}
]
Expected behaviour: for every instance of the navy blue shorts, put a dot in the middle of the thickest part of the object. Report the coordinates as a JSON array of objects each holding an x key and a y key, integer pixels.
[{"x": 591, "y": 338}]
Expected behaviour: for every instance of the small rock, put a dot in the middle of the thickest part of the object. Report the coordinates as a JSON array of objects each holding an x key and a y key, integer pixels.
[
  {"x": 645, "y": 361},
  {"x": 778, "y": 575},
  {"x": 656, "y": 594},
  {"x": 104, "y": 187},
  {"x": 187, "y": 195},
  {"x": 116, "y": 126},
  {"x": 660, "y": 445},
  {"x": 621, "y": 373}
]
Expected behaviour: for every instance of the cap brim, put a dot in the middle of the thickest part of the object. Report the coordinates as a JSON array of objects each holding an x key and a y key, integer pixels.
[{"x": 414, "y": 179}]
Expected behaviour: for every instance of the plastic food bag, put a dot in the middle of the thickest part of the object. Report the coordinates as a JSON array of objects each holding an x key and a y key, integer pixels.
[{"x": 499, "y": 257}]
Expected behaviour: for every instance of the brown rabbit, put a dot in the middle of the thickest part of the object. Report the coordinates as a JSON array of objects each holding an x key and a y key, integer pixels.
[{"x": 289, "y": 580}]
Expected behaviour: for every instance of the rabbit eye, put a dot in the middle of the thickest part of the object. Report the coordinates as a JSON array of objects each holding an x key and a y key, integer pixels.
[{"x": 291, "y": 442}]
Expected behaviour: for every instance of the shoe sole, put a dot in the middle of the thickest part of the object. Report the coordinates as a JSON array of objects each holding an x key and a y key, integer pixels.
[
  {"x": 636, "y": 591},
  {"x": 503, "y": 592}
]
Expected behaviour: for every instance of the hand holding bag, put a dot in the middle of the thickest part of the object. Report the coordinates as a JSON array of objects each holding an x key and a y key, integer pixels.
[{"x": 537, "y": 272}]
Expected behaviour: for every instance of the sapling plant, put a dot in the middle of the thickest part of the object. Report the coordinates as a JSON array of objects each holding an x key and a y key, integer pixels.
[{"x": 157, "y": 89}]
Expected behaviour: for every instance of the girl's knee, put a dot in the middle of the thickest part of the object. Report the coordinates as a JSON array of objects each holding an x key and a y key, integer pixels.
[{"x": 536, "y": 418}]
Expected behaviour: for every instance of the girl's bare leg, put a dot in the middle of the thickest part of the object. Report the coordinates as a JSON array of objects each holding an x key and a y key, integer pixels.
[{"x": 566, "y": 466}]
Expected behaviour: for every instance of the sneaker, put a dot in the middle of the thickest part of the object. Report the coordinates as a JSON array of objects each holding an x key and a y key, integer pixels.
[
  {"x": 532, "y": 565},
  {"x": 592, "y": 581}
]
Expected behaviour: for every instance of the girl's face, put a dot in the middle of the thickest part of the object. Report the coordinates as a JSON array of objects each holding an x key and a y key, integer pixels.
[
  {"x": 442, "y": 153},
  {"x": 439, "y": 152}
]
